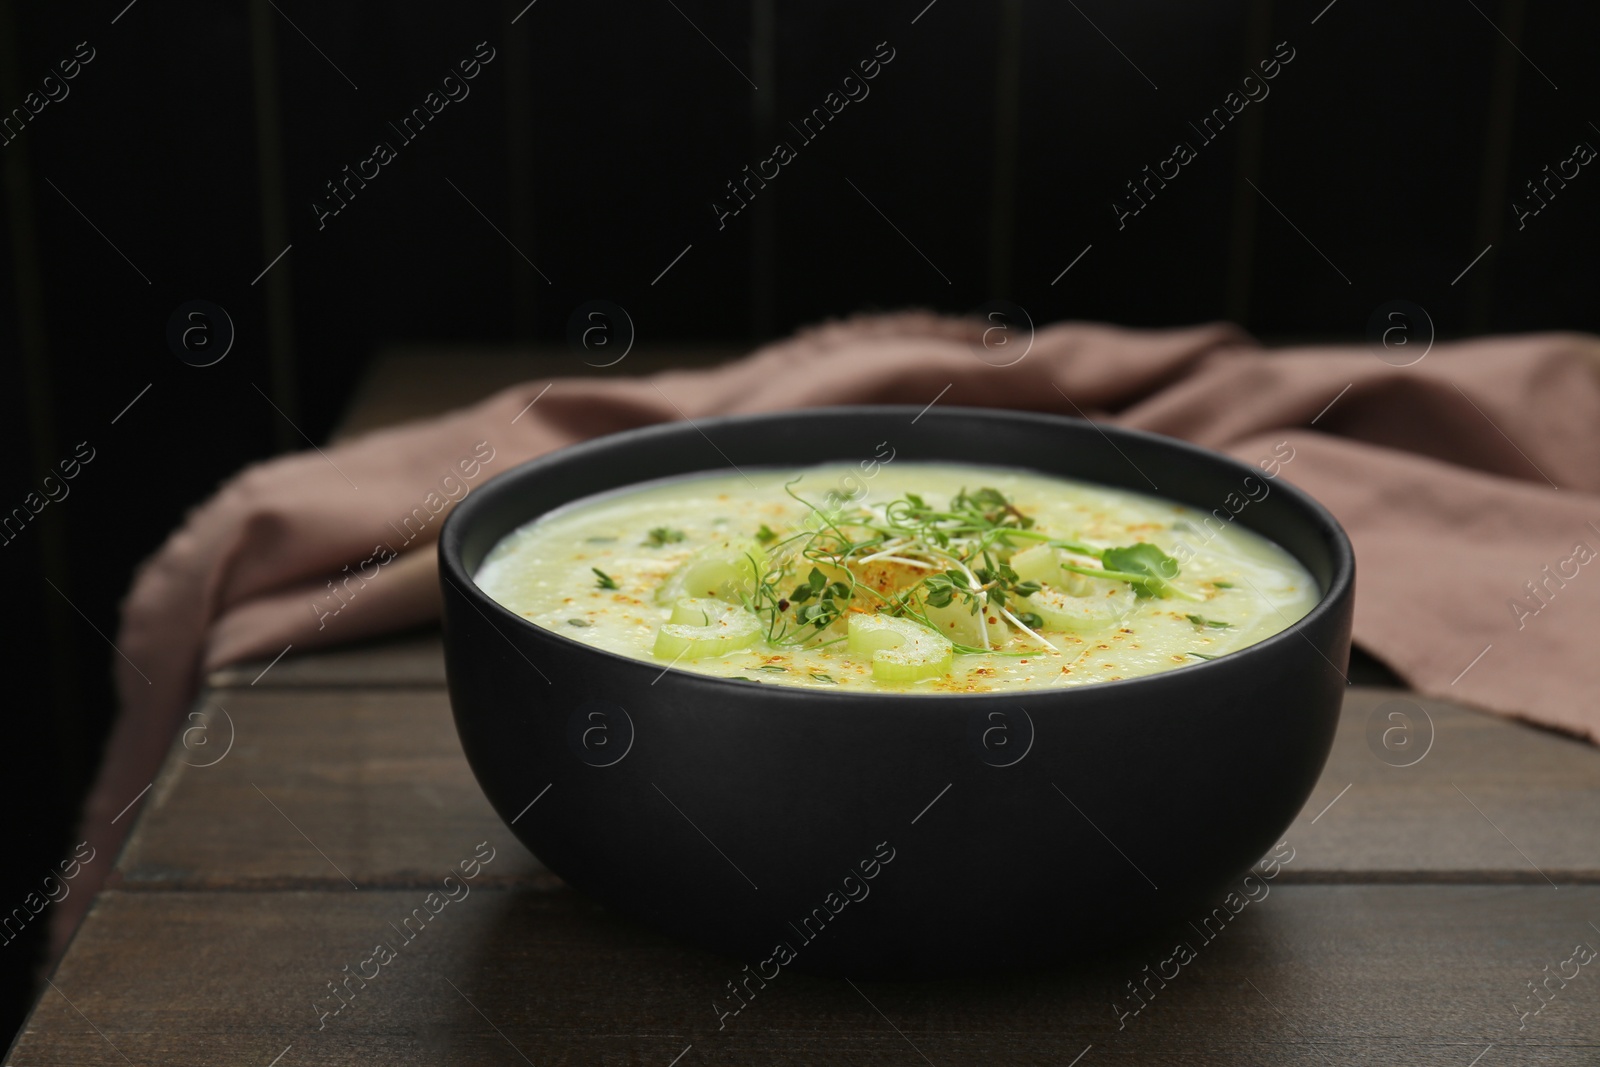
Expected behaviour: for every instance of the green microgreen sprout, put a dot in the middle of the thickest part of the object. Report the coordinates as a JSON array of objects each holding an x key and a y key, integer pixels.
[{"x": 958, "y": 554}]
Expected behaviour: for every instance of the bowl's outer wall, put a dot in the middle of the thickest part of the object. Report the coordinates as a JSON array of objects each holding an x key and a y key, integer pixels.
[{"x": 739, "y": 807}]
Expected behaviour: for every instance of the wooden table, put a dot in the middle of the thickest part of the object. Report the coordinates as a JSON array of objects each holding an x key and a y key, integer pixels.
[{"x": 1421, "y": 902}]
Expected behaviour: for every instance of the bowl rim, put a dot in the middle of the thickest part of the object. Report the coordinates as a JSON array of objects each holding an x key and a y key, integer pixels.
[{"x": 452, "y": 570}]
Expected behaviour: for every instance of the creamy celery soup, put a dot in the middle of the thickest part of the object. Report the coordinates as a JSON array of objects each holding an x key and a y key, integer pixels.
[{"x": 936, "y": 578}]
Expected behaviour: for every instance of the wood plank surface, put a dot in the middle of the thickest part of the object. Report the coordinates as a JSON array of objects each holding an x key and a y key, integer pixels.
[
  {"x": 376, "y": 779},
  {"x": 412, "y": 659},
  {"x": 1469, "y": 796},
  {"x": 412, "y": 383},
  {"x": 1314, "y": 975},
  {"x": 319, "y": 786}
]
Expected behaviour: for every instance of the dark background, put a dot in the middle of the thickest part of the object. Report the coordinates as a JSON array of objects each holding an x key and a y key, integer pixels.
[{"x": 596, "y": 140}]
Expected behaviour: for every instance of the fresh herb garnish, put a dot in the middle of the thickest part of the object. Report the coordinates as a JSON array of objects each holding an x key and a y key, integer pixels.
[
  {"x": 1151, "y": 569},
  {"x": 770, "y": 668},
  {"x": 1223, "y": 585},
  {"x": 1200, "y": 655},
  {"x": 663, "y": 535},
  {"x": 1208, "y": 624},
  {"x": 909, "y": 557},
  {"x": 606, "y": 581},
  {"x": 1142, "y": 565},
  {"x": 579, "y": 622},
  {"x": 992, "y": 505},
  {"x": 819, "y": 602},
  {"x": 828, "y": 678}
]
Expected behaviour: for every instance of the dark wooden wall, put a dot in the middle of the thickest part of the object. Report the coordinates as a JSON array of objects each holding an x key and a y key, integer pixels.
[{"x": 188, "y": 153}]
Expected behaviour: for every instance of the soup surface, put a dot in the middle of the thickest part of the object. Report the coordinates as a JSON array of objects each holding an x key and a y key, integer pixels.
[{"x": 937, "y": 578}]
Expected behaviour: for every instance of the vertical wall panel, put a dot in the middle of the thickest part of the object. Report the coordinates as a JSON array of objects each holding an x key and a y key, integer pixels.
[
  {"x": 1109, "y": 90},
  {"x": 1003, "y": 162},
  {"x": 888, "y": 205},
  {"x": 1545, "y": 271},
  {"x": 283, "y": 379}
]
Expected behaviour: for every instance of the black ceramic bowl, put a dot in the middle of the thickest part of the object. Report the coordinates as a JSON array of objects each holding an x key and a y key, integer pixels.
[{"x": 894, "y": 834}]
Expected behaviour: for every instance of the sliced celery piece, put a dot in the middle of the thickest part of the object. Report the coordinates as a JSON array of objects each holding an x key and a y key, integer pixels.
[
  {"x": 1071, "y": 601},
  {"x": 724, "y": 571},
  {"x": 901, "y": 650},
  {"x": 957, "y": 621},
  {"x": 1041, "y": 563},
  {"x": 1047, "y": 565},
  {"x": 702, "y": 627},
  {"x": 1084, "y": 604}
]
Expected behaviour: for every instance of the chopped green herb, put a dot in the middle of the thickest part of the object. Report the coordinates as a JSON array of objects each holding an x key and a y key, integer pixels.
[
  {"x": 663, "y": 535},
  {"x": 606, "y": 581},
  {"x": 819, "y": 676},
  {"x": 579, "y": 622},
  {"x": 1142, "y": 559},
  {"x": 1223, "y": 585},
  {"x": 962, "y": 548},
  {"x": 1208, "y": 624},
  {"x": 992, "y": 506},
  {"x": 1201, "y": 655},
  {"x": 770, "y": 668},
  {"x": 1142, "y": 565}
]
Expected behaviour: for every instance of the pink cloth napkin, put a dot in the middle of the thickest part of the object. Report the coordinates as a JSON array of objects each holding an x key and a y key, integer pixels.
[{"x": 1468, "y": 483}]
